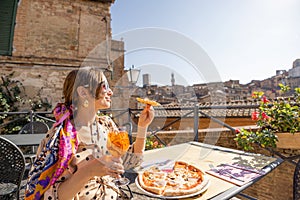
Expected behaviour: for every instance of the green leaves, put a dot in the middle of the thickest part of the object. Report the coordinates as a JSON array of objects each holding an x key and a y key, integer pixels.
[
  {"x": 152, "y": 143},
  {"x": 12, "y": 98},
  {"x": 284, "y": 88},
  {"x": 280, "y": 115},
  {"x": 247, "y": 139}
]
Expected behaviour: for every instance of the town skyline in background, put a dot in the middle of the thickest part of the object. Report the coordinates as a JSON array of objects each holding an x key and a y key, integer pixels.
[
  {"x": 246, "y": 40},
  {"x": 146, "y": 78},
  {"x": 219, "y": 92}
]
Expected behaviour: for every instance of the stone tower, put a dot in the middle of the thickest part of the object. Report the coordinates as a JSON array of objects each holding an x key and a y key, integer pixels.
[{"x": 172, "y": 79}]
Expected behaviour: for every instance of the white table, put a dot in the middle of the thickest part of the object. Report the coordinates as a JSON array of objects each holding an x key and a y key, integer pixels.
[
  {"x": 202, "y": 155},
  {"x": 25, "y": 139}
]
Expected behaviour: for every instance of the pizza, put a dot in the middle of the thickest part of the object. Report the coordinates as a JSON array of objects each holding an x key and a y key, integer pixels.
[
  {"x": 183, "y": 179},
  {"x": 148, "y": 101}
]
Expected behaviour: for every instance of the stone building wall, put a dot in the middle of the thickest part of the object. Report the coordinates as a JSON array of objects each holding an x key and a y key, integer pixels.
[
  {"x": 53, "y": 37},
  {"x": 67, "y": 29}
]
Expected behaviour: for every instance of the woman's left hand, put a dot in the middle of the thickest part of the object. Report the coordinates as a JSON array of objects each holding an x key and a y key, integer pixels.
[{"x": 146, "y": 116}]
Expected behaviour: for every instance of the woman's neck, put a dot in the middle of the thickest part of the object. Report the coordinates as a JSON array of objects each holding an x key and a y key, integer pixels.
[{"x": 84, "y": 118}]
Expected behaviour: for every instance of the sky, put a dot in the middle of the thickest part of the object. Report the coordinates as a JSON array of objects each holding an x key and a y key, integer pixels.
[{"x": 204, "y": 41}]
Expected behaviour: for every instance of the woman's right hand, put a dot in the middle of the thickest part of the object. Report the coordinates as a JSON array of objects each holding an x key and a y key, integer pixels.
[
  {"x": 86, "y": 167},
  {"x": 102, "y": 166},
  {"x": 146, "y": 116},
  {"x": 112, "y": 165}
]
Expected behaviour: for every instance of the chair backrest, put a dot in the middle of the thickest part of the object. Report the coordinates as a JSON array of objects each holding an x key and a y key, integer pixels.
[
  {"x": 34, "y": 127},
  {"x": 12, "y": 163},
  {"x": 128, "y": 125}
]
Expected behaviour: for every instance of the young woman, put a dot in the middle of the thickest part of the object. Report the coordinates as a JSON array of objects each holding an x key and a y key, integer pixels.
[{"x": 73, "y": 160}]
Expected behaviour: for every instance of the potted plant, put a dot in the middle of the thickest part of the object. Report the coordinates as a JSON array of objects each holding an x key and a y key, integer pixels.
[
  {"x": 152, "y": 143},
  {"x": 274, "y": 119}
]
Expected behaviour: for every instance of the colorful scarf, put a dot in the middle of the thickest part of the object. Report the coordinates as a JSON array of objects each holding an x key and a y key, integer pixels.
[{"x": 55, "y": 155}]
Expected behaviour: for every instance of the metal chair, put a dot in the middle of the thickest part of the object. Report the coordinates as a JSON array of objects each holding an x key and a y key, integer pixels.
[
  {"x": 34, "y": 127},
  {"x": 296, "y": 182},
  {"x": 12, "y": 167},
  {"x": 129, "y": 125}
]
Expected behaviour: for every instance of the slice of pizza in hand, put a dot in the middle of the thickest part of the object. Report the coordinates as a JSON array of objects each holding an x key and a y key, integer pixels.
[{"x": 148, "y": 101}]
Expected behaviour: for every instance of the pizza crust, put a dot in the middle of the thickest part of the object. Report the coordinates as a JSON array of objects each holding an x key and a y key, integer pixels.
[{"x": 146, "y": 183}]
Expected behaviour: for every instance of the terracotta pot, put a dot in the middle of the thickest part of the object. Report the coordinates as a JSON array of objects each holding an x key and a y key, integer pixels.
[{"x": 288, "y": 140}]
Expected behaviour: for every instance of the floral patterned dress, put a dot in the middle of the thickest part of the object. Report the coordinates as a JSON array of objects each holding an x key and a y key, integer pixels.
[{"x": 95, "y": 144}]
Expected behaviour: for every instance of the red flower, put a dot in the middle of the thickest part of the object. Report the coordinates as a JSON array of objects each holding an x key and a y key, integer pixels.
[
  {"x": 264, "y": 116},
  {"x": 255, "y": 116},
  {"x": 264, "y": 99}
]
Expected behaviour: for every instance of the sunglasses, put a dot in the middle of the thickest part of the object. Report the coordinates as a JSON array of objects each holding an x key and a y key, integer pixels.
[{"x": 104, "y": 85}]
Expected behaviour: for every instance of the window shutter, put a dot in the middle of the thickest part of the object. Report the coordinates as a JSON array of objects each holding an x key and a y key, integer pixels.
[{"x": 8, "y": 10}]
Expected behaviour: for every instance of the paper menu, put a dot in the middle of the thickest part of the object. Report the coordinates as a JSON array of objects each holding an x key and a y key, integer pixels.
[{"x": 245, "y": 174}]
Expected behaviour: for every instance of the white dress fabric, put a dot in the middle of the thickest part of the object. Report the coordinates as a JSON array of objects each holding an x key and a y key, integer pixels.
[{"x": 95, "y": 144}]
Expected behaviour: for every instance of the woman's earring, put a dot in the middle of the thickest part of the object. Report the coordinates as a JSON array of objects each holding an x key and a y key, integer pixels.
[{"x": 86, "y": 103}]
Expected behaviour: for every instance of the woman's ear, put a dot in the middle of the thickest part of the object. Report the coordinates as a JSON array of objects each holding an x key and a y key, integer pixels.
[{"x": 82, "y": 92}]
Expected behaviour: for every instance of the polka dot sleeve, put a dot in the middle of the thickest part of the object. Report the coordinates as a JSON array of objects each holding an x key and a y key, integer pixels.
[{"x": 132, "y": 160}]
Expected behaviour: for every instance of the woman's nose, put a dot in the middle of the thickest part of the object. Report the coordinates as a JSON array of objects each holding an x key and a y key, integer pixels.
[{"x": 110, "y": 92}]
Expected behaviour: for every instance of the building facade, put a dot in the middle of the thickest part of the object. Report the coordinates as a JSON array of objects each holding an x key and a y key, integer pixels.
[
  {"x": 48, "y": 38},
  {"x": 295, "y": 71}
]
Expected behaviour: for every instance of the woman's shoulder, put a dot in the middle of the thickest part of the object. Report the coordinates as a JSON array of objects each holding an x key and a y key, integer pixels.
[
  {"x": 49, "y": 134},
  {"x": 51, "y": 131},
  {"x": 107, "y": 121}
]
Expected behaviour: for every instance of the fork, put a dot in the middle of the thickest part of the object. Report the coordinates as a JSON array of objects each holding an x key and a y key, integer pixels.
[{"x": 225, "y": 172}]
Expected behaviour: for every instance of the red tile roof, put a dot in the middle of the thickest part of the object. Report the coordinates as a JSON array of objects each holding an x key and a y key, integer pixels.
[{"x": 232, "y": 109}]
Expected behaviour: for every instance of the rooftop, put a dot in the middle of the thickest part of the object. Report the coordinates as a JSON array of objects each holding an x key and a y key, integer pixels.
[{"x": 229, "y": 109}]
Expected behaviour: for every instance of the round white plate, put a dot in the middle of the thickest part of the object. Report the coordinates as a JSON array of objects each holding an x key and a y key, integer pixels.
[{"x": 205, "y": 183}]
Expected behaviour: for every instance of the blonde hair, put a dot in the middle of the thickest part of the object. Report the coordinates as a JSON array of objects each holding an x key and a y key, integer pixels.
[{"x": 87, "y": 77}]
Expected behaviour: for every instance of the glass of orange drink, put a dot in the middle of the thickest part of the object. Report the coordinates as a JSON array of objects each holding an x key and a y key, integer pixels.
[{"x": 118, "y": 144}]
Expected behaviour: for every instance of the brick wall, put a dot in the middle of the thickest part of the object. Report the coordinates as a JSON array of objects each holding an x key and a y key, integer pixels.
[
  {"x": 43, "y": 83},
  {"x": 60, "y": 29},
  {"x": 53, "y": 37}
]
